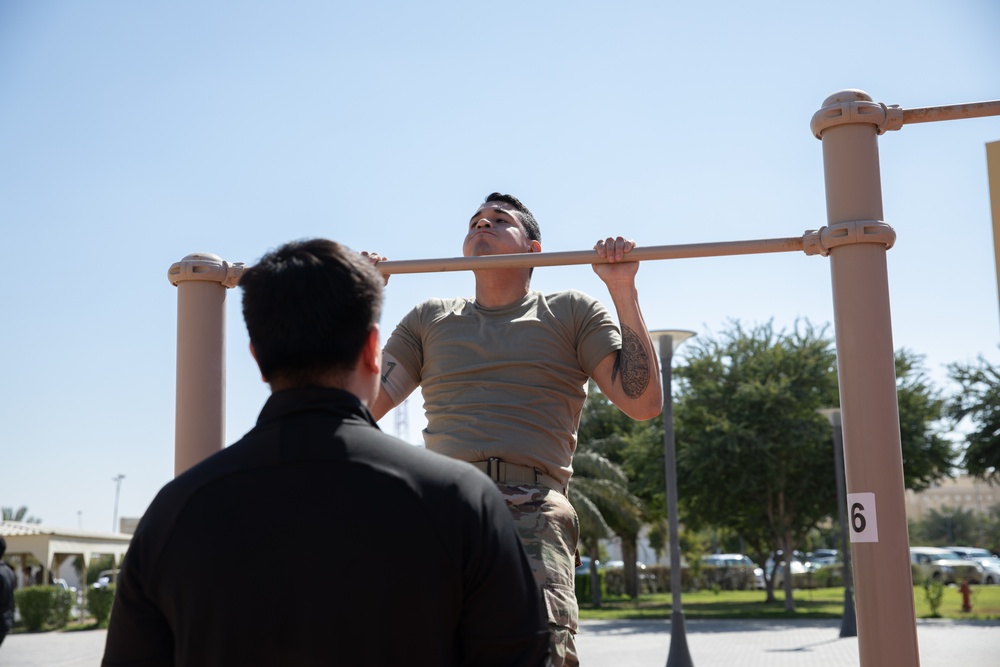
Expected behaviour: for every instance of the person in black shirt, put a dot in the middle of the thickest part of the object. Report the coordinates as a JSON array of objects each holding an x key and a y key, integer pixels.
[
  {"x": 405, "y": 557},
  {"x": 7, "y": 583}
]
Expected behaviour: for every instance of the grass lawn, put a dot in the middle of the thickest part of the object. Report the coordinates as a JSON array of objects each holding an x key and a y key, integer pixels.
[{"x": 818, "y": 603}]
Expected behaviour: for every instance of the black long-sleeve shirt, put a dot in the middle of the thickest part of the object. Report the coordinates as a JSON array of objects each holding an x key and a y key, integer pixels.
[{"x": 318, "y": 539}]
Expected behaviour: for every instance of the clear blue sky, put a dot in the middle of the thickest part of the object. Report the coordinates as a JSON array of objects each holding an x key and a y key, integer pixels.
[{"x": 135, "y": 133}]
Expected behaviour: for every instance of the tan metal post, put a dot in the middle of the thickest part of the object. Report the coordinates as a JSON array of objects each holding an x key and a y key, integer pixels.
[
  {"x": 848, "y": 125},
  {"x": 993, "y": 169},
  {"x": 201, "y": 280}
]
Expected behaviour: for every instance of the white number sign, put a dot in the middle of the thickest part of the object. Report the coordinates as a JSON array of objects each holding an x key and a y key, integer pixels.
[{"x": 861, "y": 517}]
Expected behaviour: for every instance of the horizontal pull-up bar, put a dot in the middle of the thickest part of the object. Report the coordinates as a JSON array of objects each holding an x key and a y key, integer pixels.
[
  {"x": 533, "y": 259},
  {"x": 951, "y": 112}
]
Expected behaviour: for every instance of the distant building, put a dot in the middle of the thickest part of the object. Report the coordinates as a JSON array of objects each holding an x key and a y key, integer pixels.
[
  {"x": 41, "y": 553},
  {"x": 128, "y": 525},
  {"x": 964, "y": 492}
]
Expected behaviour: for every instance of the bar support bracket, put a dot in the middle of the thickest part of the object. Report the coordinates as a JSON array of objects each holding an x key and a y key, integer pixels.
[{"x": 820, "y": 241}]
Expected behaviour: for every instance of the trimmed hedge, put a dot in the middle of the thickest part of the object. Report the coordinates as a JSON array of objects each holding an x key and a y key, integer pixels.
[
  {"x": 656, "y": 578},
  {"x": 43, "y": 605},
  {"x": 661, "y": 575},
  {"x": 35, "y": 604},
  {"x": 828, "y": 576},
  {"x": 614, "y": 581},
  {"x": 728, "y": 578},
  {"x": 62, "y": 607},
  {"x": 99, "y": 601},
  {"x": 584, "y": 588}
]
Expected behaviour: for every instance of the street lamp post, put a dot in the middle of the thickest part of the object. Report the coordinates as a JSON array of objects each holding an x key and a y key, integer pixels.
[
  {"x": 849, "y": 621},
  {"x": 117, "y": 479},
  {"x": 669, "y": 340}
]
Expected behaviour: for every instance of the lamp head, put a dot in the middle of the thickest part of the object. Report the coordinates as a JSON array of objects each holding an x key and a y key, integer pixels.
[{"x": 677, "y": 336}]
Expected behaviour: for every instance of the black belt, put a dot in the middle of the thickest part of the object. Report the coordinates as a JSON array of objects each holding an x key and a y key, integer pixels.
[{"x": 510, "y": 473}]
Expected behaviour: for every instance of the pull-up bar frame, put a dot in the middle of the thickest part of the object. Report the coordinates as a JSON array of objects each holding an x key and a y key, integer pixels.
[{"x": 856, "y": 241}]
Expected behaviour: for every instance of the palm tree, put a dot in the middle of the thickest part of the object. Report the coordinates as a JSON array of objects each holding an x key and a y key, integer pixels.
[
  {"x": 599, "y": 471},
  {"x": 593, "y": 526},
  {"x": 599, "y": 493},
  {"x": 10, "y": 515}
]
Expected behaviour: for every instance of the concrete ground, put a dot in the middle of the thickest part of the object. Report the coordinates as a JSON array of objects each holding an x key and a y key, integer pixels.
[
  {"x": 642, "y": 643},
  {"x": 796, "y": 643}
]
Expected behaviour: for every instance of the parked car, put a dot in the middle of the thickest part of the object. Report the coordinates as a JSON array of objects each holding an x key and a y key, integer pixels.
[
  {"x": 970, "y": 553},
  {"x": 63, "y": 584},
  {"x": 585, "y": 565},
  {"x": 945, "y": 566},
  {"x": 820, "y": 558},
  {"x": 729, "y": 560},
  {"x": 991, "y": 569},
  {"x": 727, "y": 563},
  {"x": 105, "y": 577},
  {"x": 778, "y": 573},
  {"x": 620, "y": 564}
]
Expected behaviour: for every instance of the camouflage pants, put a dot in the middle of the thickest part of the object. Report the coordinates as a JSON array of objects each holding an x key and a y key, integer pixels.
[{"x": 549, "y": 530}]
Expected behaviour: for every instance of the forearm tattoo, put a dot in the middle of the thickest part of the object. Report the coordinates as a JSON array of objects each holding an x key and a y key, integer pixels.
[{"x": 633, "y": 364}]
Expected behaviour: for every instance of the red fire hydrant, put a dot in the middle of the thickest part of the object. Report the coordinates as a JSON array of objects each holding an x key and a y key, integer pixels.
[{"x": 966, "y": 591}]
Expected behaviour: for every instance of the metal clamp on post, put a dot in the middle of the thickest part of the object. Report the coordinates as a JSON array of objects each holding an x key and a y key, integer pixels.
[
  {"x": 208, "y": 267},
  {"x": 884, "y": 117},
  {"x": 820, "y": 241}
]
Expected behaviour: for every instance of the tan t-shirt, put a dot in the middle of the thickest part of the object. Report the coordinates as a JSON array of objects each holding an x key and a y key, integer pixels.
[{"x": 507, "y": 382}]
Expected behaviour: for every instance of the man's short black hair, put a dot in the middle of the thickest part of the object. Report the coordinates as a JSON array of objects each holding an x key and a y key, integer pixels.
[
  {"x": 524, "y": 215},
  {"x": 3, "y": 546},
  {"x": 309, "y": 307}
]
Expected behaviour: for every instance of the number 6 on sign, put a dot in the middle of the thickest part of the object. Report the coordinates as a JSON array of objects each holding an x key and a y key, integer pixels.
[{"x": 862, "y": 517}]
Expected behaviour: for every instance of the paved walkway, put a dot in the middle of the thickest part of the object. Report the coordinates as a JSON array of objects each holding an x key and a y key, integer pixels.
[
  {"x": 642, "y": 644},
  {"x": 748, "y": 643}
]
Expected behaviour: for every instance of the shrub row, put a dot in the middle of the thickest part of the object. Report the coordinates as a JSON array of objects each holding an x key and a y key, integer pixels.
[
  {"x": 44, "y": 607},
  {"x": 656, "y": 578}
]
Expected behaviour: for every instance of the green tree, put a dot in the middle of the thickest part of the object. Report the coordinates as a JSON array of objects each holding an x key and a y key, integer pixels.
[
  {"x": 927, "y": 455},
  {"x": 9, "y": 514},
  {"x": 601, "y": 419},
  {"x": 753, "y": 455},
  {"x": 989, "y": 527},
  {"x": 979, "y": 401},
  {"x": 642, "y": 458},
  {"x": 947, "y": 526}
]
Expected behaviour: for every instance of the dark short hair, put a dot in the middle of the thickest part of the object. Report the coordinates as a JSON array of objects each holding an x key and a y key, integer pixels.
[
  {"x": 524, "y": 215},
  {"x": 3, "y": 546},
  {"x": 309, "y": 307}
]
